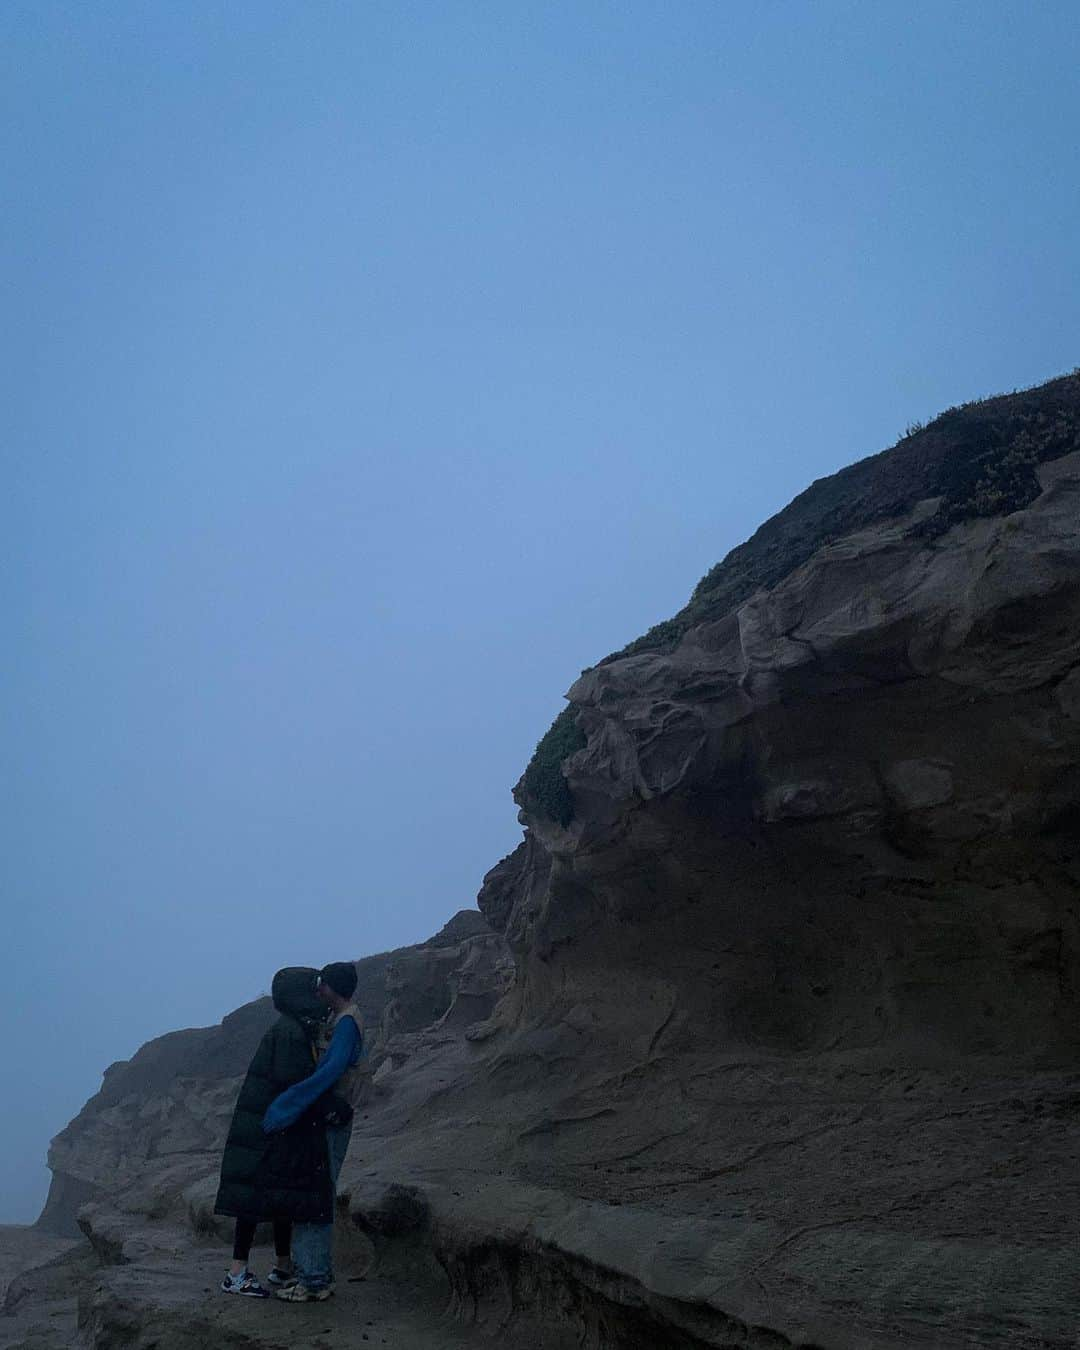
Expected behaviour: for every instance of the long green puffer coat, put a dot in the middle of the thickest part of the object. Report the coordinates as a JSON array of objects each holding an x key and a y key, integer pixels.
[{"x": 284, "y": 1175}]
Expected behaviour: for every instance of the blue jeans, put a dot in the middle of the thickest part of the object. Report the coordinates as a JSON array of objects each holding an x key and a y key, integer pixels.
[{"x": 312, "y": 1243}]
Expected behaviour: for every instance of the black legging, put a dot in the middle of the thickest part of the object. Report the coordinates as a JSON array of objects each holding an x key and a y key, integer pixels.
[{"x": 245, "y": 1236}]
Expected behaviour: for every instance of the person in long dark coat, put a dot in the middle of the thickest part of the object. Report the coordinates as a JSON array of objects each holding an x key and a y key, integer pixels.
[{"x": 286, "y": 1177}]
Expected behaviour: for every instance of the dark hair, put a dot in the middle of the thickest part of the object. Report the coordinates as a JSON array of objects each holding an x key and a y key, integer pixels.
[{"x": 341, "y": 977}]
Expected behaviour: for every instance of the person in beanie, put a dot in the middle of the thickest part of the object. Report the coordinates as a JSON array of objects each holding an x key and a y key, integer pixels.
[
  {"x": 288, "y": 1179},
  {"x": 337, "y": 1075}
]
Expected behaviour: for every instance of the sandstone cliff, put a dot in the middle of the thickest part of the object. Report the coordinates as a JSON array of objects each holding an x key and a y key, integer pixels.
[{"x": 788, "y": 1053}]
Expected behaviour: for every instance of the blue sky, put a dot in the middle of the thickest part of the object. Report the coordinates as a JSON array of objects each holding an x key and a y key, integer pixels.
[{"x": 371, "y": 368}]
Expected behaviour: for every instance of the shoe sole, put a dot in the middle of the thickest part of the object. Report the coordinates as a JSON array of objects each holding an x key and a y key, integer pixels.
[{"x": 308, "y": 1296}]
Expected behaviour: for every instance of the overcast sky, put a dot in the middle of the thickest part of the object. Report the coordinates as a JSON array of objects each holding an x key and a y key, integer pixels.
[{"x": 371, "y": 368}]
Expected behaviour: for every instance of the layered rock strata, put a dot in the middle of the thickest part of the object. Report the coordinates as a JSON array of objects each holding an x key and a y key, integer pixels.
[
  {"x": 842, "y": 817},
  {"x": 800, "y": 965},
  {"x": 788, "y": 1051}
]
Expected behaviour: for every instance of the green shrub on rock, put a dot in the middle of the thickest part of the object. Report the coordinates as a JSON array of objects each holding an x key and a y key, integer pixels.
[{"x": 545, "y": 788}]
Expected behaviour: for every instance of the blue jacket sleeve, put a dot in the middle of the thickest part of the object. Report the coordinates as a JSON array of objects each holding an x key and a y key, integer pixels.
[{"x": 290, "y": 1105}]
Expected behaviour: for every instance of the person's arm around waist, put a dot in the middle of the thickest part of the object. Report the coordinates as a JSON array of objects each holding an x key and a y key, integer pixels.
[{"x": 288, "y": 1106}]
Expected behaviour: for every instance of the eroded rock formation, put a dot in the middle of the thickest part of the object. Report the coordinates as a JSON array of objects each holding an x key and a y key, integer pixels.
[
  {"x": 843, "y": 816},
  {"x": 787, "y": 1053}
]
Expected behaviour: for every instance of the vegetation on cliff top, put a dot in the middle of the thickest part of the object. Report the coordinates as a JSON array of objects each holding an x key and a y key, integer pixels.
[{"x": 979, "y": 459}]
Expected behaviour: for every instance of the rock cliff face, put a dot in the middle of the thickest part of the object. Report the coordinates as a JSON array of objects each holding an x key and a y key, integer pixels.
[
  {"x": 776, "y": 1040},
  {"x": 809, "y": 931},
  {"x": 842, "y": 816}
]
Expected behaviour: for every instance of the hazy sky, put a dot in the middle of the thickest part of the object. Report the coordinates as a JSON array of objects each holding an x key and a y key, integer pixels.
[{"x": 371, "y": 368}]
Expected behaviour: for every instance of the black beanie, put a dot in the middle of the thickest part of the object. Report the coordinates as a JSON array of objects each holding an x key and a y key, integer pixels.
[{"x": 341, "y": 977}]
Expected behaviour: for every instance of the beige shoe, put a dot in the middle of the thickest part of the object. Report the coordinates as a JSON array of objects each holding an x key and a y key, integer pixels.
[{"x": 300, "y": 1293}]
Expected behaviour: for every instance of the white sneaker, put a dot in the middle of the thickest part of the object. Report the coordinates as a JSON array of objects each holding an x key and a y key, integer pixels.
[{"x": 244, "y": 1284}]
